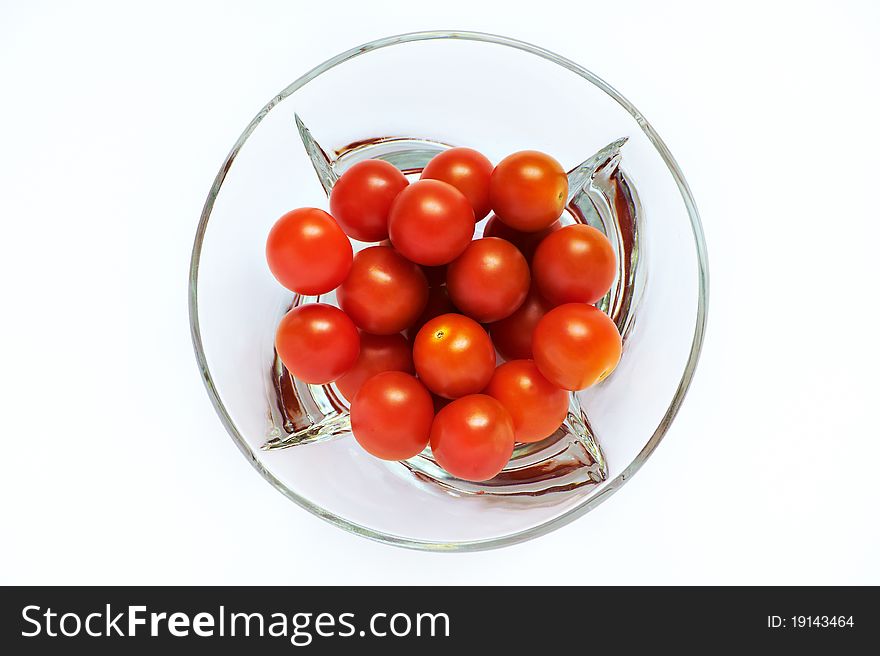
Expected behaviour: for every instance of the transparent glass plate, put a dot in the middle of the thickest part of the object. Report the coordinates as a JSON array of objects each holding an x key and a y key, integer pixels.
[{"x": 403, "y": 99}]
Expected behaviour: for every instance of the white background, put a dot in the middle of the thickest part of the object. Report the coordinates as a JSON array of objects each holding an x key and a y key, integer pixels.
[{"x": 115, "y": 118}]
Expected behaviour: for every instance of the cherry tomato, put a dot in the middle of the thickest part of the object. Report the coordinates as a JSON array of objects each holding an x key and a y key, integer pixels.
[
  {"x": 362, "y": 197},
  {"x": 512, "y": 335},
  {"x": 490, "y": 280},
  {"x": 384, "y": 293},
  {"x": 307, "y": 252},
  {"x": 317, "y": 343},
  {"x": 391, "y": 416},
  {"x": 536, "y": 406},
  {"x": 431, "y": 222},
  {"x": 472, "y": 438},
  {"x": 528, "y": 190},
  {"x": 466, "y": 170},
  {"x": 378, "y": 353},
  {"x": 526, "y": 242},
  {"x": 576, "y": 345},
  {"x": 438, "y": 303},
  {"x": 453, "y": 356},
  {"x": 575, "y": 265}
]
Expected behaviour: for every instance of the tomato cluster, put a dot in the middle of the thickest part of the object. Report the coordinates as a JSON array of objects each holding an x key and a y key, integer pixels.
[{"x": 421, "y": 314}]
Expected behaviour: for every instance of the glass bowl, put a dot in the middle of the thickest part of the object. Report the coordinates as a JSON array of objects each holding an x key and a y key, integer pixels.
[{"x": 404, "y": 98}]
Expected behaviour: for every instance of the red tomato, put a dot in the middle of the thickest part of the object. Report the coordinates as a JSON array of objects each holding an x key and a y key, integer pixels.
[
  {"x": 472, "y": 437},
  {"x": 307, "y": 252},
  {"x": 575, "y": 346},
  {"x": 528, "y": 190},
  {"x": 536, "y": 406},
  {"x": 317, "y": 343},
  {"x": 438, "y": 303},
  {"x": 431, "y": 222},
  {"x": 453, "y": 356},
  {"x": 384, "y": 293},
  {"x": 526, "y": 242},
  {"x": 466, "y": 170},
  {"x": 512, "y": 335},
  {"x": 391, "y": 416},
  {"x": 362, "y": 198},
  {"x": 489, "y": 281},
  {"x": 575, "y": 265},
  {"x": 378, "y": 353}
]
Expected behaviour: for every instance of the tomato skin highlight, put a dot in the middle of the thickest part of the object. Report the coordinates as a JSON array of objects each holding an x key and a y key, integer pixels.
[
  {"x": 526, "y": 242},
  {"x": 308, "y": 252},
  {"x": 528, "y": 190},
  {"x": 378, "y": 353},
  {"x": 468, "y": 171},
  {"x": 317, "y": 343},
  {"x": 384, "y": 292},
  {"x": 472, "y": 438},
  {"x": 536, "y": 406},
  {"x": 576, "y": 345},
  {"x": 489, "y": 280},
  {"x": 361, "y": 198},
  {"x": 431, "y": 222},
  {"x": 453, "y": 356},
  {"x": 391, "y": 416},
  {"x": 512, "y": 336},
  {"x": 576, "y": 264}
]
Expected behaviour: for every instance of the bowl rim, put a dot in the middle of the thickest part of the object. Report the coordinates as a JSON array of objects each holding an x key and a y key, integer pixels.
[{"x": 611, "y": 486}]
